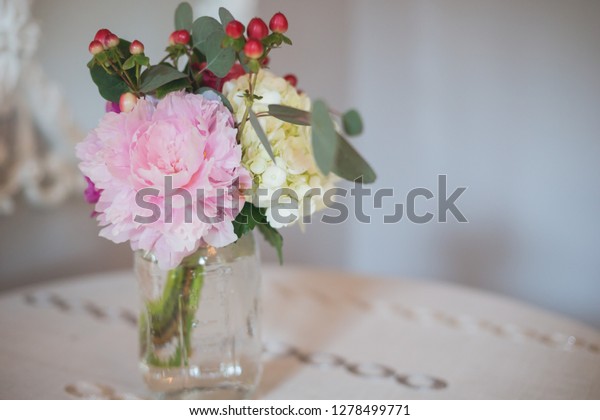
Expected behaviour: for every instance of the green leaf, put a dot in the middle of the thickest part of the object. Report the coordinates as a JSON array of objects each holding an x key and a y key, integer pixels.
[
  {"x": 289, "y": 114},
  {"x": 352, "y": 122},
  {"x": 159, "y": 75},
  {"x": 244, "y": 61},
  {"x": 110, "y": 86},
  {"x": 173, "y": 86},
  {"x": 219, "y": 94},
  {"x": 219, "y": 60},
  {"x": 142, "y": 60},
  {"x": 202, "y": 30},
  {"x": 261, "y": 134},
  {"x": 286, "y": 40},
  {"x": 251, "y": 217},
  {"x": 184, "y": 16},
  {"x": 273, "y": 237},
  {"x": 324, "y": 137},
  {"x": 123, "y": 48},
  {"x": 247, "y": 219},
  {"x": 129, "y": 63},
  {"x": 350, "y": 165},
  {"x": 225, "y": 16}
]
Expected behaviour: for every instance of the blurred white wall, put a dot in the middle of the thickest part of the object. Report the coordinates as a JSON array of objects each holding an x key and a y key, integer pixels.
[{"x": 502, "y": 96}]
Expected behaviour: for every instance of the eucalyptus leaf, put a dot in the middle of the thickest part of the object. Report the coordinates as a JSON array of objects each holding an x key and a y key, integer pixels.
[
  {"x": 203, "y": 28},
  {"x": 350, "y": 165},
  {"x": 219, "y": 60},
  {"x": 244, "y": 61},
  {"x": 352, "y": 122},
  {"x": 261, "y": 134},
  {"x": 184, "y": 16},
  {"x": 225, "y": 16},
  {"x": 159, "y": 75},
  {"x": 289, "y": 114},
  {"x": 324, "y": 137},
  {"x": 224, "y": 100},
  {"x": 110, "y": 86}
]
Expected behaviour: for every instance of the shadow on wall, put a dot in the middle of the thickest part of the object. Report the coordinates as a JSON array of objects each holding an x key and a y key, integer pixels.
[{"x": 38, "y": 244}]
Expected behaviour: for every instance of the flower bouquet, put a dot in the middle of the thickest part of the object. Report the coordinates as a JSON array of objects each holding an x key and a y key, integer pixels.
[{"x": 193, "y": 154}]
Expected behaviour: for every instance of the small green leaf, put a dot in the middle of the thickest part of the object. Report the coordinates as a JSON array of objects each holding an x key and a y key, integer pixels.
[
  {"x": 352, "y": 122},
  {"x": 261, "y": 134},
  {"x": 184, "y": 16},
  {"x": 324, "y": 137},
  {"x": 225, "y": 16},
  {"x": 274, "y": 39},
  {"x": 286, "y": 40},
  {"x": 224, "y": 100},
  {"x": 129, "y": 63},
  {"x": 219, "y": 60},
  {"x": 289, "y": 114},
  {"x": 110, "y": 86},
  {"x": 173, "y": 86},
  {"x": 142, "y": 60},
  {"x": 159, "y": 75},
  {"x": 350, "y": 165},
  {"x": 202, "y": 30},
  {"x": 273, "y": 237}
]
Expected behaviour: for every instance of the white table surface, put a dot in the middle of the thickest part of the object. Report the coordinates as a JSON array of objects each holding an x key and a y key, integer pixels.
[{"x": 328, "y": 335}]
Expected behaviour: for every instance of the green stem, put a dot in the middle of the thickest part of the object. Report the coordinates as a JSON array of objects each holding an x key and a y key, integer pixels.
[
  {"x": 249, "y": 104},
  {"x": 171, "y": 318}
]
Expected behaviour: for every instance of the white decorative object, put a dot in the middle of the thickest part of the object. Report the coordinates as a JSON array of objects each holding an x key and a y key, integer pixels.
[{"x": 37, "y": 132}]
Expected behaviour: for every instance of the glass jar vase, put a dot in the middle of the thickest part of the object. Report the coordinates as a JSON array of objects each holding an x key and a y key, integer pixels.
[{"x": 199, "y": 327}]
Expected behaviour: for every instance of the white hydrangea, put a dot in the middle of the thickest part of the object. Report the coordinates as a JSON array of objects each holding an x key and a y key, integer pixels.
[{"x": 294, "y": 165}]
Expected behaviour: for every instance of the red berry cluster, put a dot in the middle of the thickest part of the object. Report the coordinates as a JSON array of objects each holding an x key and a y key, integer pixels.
[
  {"x": 103, "y": 40},
  {"x": 259, "y": 40}
]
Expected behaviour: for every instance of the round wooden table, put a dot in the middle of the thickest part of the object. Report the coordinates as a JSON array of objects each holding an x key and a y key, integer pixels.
[{"x": 327, "y": 335}]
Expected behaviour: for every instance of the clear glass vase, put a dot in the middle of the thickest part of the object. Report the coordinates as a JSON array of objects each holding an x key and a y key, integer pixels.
[{"x": 199, "y": 327}]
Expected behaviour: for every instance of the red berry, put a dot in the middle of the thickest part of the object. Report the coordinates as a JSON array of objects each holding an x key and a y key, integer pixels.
[
  {"x": 266, "y": 61},
  {"x": 234, "y": 29},
  {"x": 96, "y": 47},
  {"x": 257, "y": 29},
  {"x": 127, "y": 101},
  {"x": 291, "y": 79},
  {"x": 101, "y": 36},
  {"x": 253, "y": 49},
  {"x": 181, "y": 37},
  {"x": 136, "y": 47},
  {"x": 112, "y": 41},
  {"x": 279, "y": 23}
]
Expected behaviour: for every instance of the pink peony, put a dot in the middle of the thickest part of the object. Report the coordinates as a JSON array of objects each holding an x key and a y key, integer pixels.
[{"x": 184, "y": 141}]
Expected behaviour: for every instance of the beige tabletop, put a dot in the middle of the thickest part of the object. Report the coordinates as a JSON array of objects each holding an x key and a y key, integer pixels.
[{"x": 327, "y": 334}]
